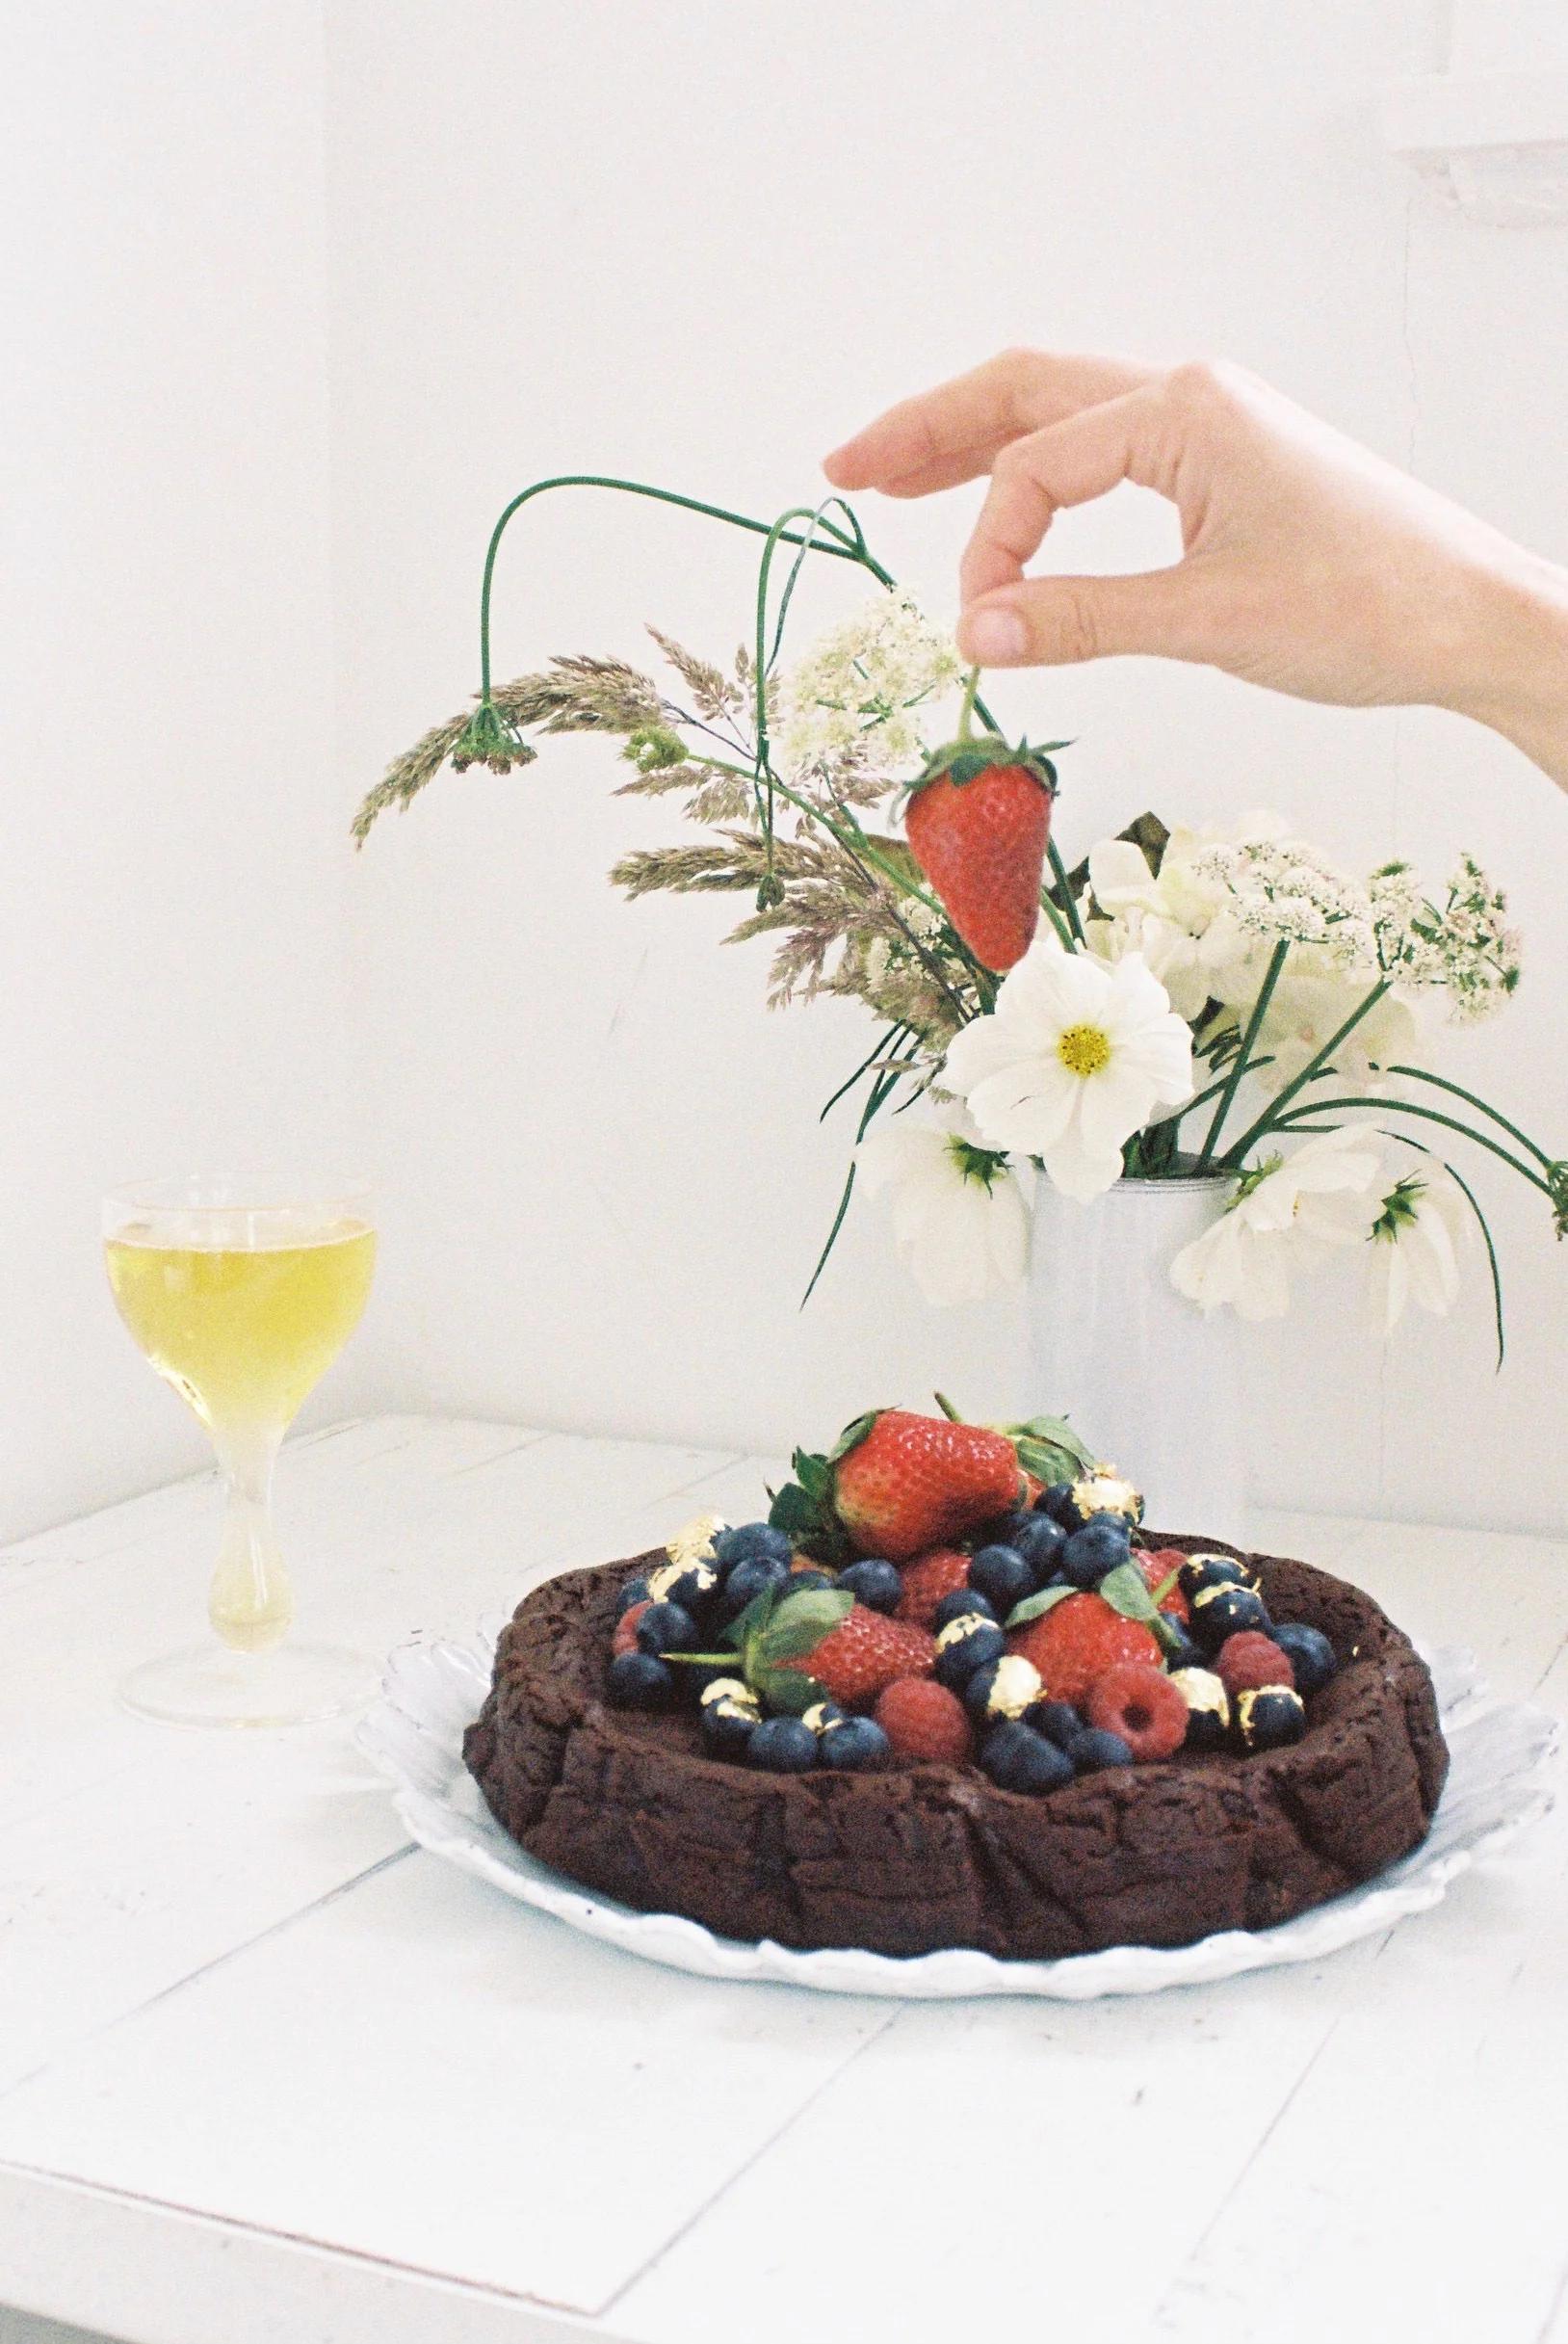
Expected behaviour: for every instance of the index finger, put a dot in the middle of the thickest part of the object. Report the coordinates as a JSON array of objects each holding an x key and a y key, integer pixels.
[{"x": 954, "y": 432}]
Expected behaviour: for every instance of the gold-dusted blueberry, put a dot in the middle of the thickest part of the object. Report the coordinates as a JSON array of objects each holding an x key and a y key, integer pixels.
[
  {"x": 1270, "y": 1717},
  {"x": 730, "y": 1713},
  {"x": 821, "y": 1716},
  {"x": 694, "y": 1540},
  {"x": 1199, "y": 1570},
  {"x": 1004, "y": 1688},
  {"x": 1106, "y": 1491},
  {"x": 1226, "y": 1610},
  {"x": 1208, "y": 1707},
  {"x": 967, "y": 1644},
  {"x": 686, "y": 1581}
]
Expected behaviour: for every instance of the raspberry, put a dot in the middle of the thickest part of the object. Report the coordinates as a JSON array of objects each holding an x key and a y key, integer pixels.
[
  {"x": 922, "y": 1719},
  {"x": 927, "y": 1579},
  {"x": 1157, "y": 1563},
  {"x": 1077, "y": 1641},
  {"x": 624, "y": 1640},
  {"x": 863, "y": 1655},
  {"x": 1142, "y": 1704},
  {"x": 1251, "y": 1659}
]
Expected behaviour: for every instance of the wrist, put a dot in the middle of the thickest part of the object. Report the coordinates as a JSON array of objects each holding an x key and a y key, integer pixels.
[{"x": 1515, "y": 675}]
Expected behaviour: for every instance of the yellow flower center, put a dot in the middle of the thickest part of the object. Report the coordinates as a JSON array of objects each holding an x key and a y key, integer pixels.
[{"x": 1084, "y": 1049}]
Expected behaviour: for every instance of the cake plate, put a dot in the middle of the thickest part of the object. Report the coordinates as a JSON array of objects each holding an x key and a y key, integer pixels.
[{"x": 1499, "y": 1753}]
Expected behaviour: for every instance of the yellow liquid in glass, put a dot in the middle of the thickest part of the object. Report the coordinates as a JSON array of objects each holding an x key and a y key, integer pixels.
[{"x": 244, "y": 1333}]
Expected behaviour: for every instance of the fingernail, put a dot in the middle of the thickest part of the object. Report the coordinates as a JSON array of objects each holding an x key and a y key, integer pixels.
[{"x": 994, "y": 637}]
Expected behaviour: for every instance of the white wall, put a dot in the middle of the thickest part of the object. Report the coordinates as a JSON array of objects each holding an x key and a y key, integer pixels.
[
  {"x": 170, "y": 848},
  {"x": 697, "y": 246}
]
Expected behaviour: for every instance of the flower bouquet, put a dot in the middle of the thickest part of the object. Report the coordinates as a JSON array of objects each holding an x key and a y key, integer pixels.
[{"x": 1218, "y": 1006}]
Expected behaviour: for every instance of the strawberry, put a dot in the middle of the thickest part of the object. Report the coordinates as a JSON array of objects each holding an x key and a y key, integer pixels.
[
  {"x": 624, "y": 1639},
  {"x": 903, "y": 1484},
  {"x": 977, "y": 822},
  {"x": 927, "y": 1579},
  {"x": 922, "y": 1719},
  {"x": 1156, "y": 1564},
  {"x": 866, "y": 1654},
  {"x": 1078, "y": 1641}
]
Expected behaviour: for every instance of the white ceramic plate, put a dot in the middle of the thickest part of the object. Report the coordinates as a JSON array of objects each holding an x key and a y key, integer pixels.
[{"x": 1497, "y": 1781}]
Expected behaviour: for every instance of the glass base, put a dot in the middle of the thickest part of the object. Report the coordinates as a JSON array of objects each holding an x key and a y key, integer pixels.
[{"x": 299, "y": 1684}]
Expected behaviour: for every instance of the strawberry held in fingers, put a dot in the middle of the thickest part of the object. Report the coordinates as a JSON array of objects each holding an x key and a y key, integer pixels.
[{"x": 979, "y": 821}]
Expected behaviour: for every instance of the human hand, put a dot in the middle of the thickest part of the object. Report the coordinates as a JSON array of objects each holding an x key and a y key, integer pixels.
[{"x": 1310, "y": 564}]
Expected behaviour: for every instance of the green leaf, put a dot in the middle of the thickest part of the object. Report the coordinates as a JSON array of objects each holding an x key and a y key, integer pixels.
[
  {"x": 815, "y": 1474},
  {"x": 851, "y": 1438},
  {"x": 753, "y": 1620},
  {"x": 1127, "y": 1592},
  {"x": 794, "y": 1511},
  {"x": 801, "y": 1623},
  {"x": 1036, "y": 1607},
  {"x": 790, "y": 1692}
]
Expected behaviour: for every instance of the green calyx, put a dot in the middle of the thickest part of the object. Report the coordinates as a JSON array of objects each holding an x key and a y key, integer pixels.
[
  {"x": 773, "y": 1632},
  {"x": 804, "y": 1508},
  {"x": 1048, "y": 1447},
  {"x": 488, "y": 738},
  {"x": 963, "y": 761}
]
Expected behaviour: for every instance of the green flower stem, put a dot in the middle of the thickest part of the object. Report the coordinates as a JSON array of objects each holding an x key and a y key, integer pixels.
[
  {"x": 1260, "y": 1009},
  {"x": 1271, "y": 1114},
  {"x": 1440, "y": 1082},
  {"x": 1064, "y": 934},
  {"x": 1427, "y": 1114},
  {"x": 966, "y": 714}
]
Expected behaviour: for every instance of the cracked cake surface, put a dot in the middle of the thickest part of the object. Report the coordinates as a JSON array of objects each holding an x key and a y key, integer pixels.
[{"x": 923, "y": 1855}]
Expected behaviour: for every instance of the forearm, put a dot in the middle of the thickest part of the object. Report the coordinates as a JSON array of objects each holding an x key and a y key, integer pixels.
[{"x": 1518, "y": 676}]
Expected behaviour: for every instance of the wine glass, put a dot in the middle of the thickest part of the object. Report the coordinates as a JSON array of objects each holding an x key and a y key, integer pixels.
[{"x": 242, "y": 1292}]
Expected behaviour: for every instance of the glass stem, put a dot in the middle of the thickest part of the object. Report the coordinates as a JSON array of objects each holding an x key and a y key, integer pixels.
[{"x": 251, "y": 1603}]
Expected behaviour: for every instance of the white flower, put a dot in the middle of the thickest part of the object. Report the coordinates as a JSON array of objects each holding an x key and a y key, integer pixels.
[
  {"x": 1287, "y": 893},
  {"x": 1288, "y": 1210},
  {"x": 1310, "y": 1003},
  {"x": 857, "y": 689},
  {"x": 1074, "y": 1058},
  {"x": 958, "y": 1210},
  {"x": 1416, "y": 1244},
  {"x": 1464, "y": 945},
  {"x": 1184, "y": 922}
]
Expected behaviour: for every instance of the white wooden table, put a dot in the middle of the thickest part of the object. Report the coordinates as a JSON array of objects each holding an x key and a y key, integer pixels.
[{"x": 268, "y": 2075}]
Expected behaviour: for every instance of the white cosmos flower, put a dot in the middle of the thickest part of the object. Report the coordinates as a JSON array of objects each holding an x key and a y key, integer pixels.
[
  {"x": 1286, "y": 1213},
  {"x": 1311, "y": 1002},
  {"x": 1416, "y": 1246},
  {"x": 959, "y": 1213},
  {"x": 1075, "y": 1057}
]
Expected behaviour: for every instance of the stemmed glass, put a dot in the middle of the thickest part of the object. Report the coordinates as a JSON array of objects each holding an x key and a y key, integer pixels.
[{"x": 241, "y": 1293}]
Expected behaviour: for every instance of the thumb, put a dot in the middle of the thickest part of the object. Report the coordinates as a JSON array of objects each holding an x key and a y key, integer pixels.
[{"x": 1054, "y": 623}]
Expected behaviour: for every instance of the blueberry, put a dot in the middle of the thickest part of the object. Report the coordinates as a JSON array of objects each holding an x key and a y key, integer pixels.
[
  {"x": 666, "y": 1627},
  {"x": 1225, "y": 1609},
  {"x": 1094, "y": 1749},
  {"x": 687, "y": 1584},
  {"x": 797, "y": 1582},
  {"x": 1212, "y": 1570},
  {"x": 1017, "y": 1758},
  {"x": 1003, "y": 1577},
  {"x": 856, "y": 1744},
  {"x": 1004, "y": 1531},
  {"x": 783, "y": 1745},
  {"x": 730, "y": 1713},
  {"x": 747, "y": 1581},
  {"x": 1006, "y": 1688},
  {"x": 638, "y": 1681},
  {"x": 1269, "y": 1718},
  {"x": 1098, "y": 1548},
  {"x": 1208, "y": 1707},
  {"x": 876, "y": 1584},
  {"x": 1040, "y": 1542},
  {"x": 636, "y": 1591},
  {"x": 1178, "y": 1647},
  {"x": 751, "y": 1543},
  {"x": 1057, "y": 1505},
  {"x": 1058, "y": 1721},
  {"x": 966, "y": 1643},
  {"x": 963, "y": 1600},
  {"x": 821, "y": 1717},
  {"x": 1310, "y": 1653}
]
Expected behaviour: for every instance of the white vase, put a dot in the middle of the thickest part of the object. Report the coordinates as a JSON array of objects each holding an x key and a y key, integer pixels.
[{"x": 1149, "y": 1382}]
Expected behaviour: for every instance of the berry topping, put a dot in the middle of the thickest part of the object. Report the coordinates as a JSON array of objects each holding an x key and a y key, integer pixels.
[
  {"x": 636, "y": 1591},
  {"x": 729, "y": 1712},
  {"x": 1017, "y": 1758},
  {"x": 1310, "y": 1653},
  {"x": 1088, "y": 1554},
  {"x": 1040, "y": 1541},
  {"x": 876, "y": 1584},
  {"x": 967, "y": 1644},
  {"x": 1143, "y": 1706},
  {"x": 1003, "y": 1577},
  {"x": 1213, "y": 1571},
  {"x": 1059, "y": 1720},
  {"x": 929, "y": 1580},
  {"x": 963, "y": 1600},
  {"x": 922, "y": 1719},
  {"x": 1250, "y": 1660},
  {"x": 865, "y": 1653},
  {"x": 624, "y": 1639},
  {"x": 687, "y": 1584},
  {"x": 636, "y": 1680},
  {"x": 783, "y": 1745},
  {"x": 1269, "y": 1718},
  {"x": 1096, "y": 1747},
  {"x": 666, "y": 1627},
  {"x": 858, "y": 1744},
  {"x": 1224, "y": 1609},
  {"x": 1181, "y": 1650},
  {"x": 1057, "y": 1505},
  {"x": 1004, "y": 1688},
  {"x": 751, "y": 1543},
  {"x": 1104, "y": 1491},
  {"x": 903, "y": 1484},
  {"x": 1158, "y": 1565},
  {"x": 749, "y": 1579},
  {"x": 1208, "y": 1707},
  {"x": 803, "y": 1576},
  {"x": 1078, "y": 1642},
  {"x": 820, "y": 1716}
]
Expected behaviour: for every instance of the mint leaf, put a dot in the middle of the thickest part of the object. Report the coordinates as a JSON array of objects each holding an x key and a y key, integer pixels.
[
  {"x": 790, "y": 1692},
  {"x": 801, "y": 1623},
  {"x": 1125, "y": 1590},
  {"x": 753, "y": 1620},
  {"x": 1036, "y": 1607}
]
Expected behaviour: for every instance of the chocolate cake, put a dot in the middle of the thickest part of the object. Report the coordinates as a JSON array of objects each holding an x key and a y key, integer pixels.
[{"x": 919, "y": 1855}]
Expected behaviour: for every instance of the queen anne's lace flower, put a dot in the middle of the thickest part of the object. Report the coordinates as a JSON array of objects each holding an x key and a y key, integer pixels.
[
  {"x": 1463, "y": 946},
  {"x": 1286, "y": 891},
  {"x": 959, "y": 1214},
  {"x": 856, "y": 690},
  {"x": 1285, "y": 1212}
]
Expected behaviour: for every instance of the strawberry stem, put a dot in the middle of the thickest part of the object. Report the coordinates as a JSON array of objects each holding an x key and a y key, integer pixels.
[
  {"x": 942, "y": 1400},
  {"x": 966, "y": 714}
]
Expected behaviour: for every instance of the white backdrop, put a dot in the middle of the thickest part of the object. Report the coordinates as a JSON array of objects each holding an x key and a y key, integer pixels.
[{"x": 696, "y": 246}]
